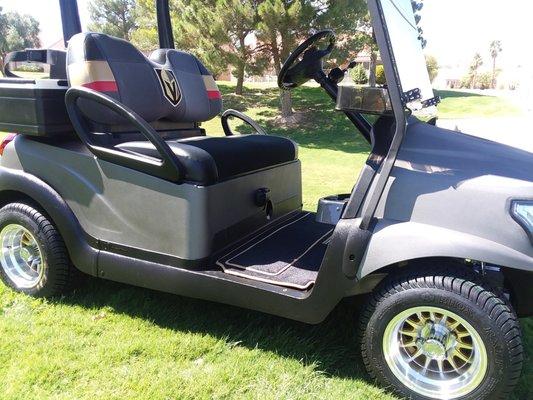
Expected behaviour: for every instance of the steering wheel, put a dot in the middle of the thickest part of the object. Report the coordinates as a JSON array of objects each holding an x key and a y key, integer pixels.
[{"x": 296, "y": 72}]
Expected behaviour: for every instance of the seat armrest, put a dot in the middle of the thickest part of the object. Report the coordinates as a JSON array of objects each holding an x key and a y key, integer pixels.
[
  {"x": 168, "y": 168},
  {"x": 234, "y": 113}
]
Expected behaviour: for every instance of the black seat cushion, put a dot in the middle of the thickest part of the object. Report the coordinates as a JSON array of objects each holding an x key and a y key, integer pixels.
[{"x": 209, "y": 159}]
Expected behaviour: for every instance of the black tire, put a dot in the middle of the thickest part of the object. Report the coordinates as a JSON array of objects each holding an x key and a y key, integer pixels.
[
  {"x": 59, "y": 275},
  {"x": 454, "y": 289}
]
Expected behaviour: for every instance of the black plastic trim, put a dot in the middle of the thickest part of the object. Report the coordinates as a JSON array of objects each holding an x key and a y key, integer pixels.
[
  {"x": 28, "y": 108},
  {"x": 151, "y": 256},
  {"x": 411, "y": 95},
  {"x": 164, "y": 25},
  {"x": 431, "y": 102},
  {"x": 70, "y": 19},
  {"x": 520, "y": 282}
]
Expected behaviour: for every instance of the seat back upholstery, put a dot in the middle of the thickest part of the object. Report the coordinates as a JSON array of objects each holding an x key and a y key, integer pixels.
[{"x": 173, "y": 85}]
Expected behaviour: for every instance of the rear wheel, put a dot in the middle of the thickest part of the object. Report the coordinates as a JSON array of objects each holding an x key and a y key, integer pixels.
[
  {"x": 33, "y": 258},
  {"x": 441, "y": 336}
]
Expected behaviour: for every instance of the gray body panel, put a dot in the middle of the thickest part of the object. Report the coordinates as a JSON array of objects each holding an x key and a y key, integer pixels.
[
  {"x": 449, "y": 196},
  {"x": 119, "y": 205}
]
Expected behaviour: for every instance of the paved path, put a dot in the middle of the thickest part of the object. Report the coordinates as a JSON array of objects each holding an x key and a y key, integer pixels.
[{"x": 515, "y": 131}]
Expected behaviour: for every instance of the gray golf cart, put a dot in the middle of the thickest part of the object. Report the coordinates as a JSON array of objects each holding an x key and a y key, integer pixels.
[{"x": 110, "y": 174}]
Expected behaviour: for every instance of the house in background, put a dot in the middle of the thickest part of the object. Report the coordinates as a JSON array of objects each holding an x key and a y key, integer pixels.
[
  {"x": 363, "y": 57},
  {"x": 510, "y": 77},
  {"x": 449, "y": 77}
]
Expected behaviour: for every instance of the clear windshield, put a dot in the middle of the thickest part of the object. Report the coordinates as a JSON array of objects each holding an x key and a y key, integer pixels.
[{"x": 407, "y": 49}]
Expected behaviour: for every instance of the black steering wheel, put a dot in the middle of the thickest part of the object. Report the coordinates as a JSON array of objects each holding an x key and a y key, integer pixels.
[{"x": 296, "y": 71}]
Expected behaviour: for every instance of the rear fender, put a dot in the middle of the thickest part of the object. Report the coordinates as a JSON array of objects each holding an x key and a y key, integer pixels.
[{"x": 78, "y": 243}]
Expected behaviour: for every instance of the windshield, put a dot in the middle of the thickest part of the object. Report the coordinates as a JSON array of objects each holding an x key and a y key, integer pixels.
[{"x": 406, "y": 42}]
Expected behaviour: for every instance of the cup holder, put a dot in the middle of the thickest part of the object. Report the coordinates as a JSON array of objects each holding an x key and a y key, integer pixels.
[{"x": 330, "y": 208}]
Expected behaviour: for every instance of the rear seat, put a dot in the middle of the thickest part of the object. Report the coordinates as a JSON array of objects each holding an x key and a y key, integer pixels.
[{"x": 172, "y": 86}]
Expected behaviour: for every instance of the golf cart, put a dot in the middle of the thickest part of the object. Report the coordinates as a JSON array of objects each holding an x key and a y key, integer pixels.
[{"x": 108, "y": 172}]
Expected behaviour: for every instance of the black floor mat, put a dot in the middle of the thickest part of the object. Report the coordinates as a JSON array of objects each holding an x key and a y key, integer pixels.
[{"x": 289, "y": 256}]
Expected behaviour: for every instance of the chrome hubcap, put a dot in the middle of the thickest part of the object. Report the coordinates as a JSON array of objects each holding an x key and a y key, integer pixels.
[
  {"x": 21, "y": 257},
  {"x": 434, "y": 352}
]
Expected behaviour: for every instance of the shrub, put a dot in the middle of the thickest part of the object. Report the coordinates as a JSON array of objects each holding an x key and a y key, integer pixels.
[
  {"x": 380, "y": 75},
  {"x": 484, "y": 81},
  {"x": 29, "y": 68},
  {"x": 466, "y": 81},
  {"x": 359, "y": 75}
]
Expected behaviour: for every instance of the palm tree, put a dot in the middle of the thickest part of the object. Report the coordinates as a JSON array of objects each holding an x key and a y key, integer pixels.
[{"x": 495, "y": 50}]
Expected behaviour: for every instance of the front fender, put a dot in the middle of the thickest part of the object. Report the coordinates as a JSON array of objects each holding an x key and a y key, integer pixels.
[
  {"x": 82, "y": 254},
  {"x": 392, "y": 243}
]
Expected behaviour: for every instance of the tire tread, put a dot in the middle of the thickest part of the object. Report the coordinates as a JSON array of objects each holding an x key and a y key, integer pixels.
[{"x": 465, "y": 283}]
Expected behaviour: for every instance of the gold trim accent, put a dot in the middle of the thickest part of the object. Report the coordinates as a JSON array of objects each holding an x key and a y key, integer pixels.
[
  {"x": 210, "y": 83},
  {"x": 90, "y": 71}
]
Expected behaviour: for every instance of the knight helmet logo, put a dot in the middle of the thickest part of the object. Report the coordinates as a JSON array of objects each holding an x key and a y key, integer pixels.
[{"x": 169, "y": 85}]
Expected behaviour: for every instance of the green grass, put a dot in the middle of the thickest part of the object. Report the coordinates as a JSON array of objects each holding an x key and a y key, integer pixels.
[
  {"x": 112, "y": 341},
  {"x": 29, "y": 75},
  {"x": 458, "y": 104}
]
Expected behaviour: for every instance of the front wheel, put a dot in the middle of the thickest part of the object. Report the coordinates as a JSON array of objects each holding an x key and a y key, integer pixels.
[{"x": 441, "y": 336}]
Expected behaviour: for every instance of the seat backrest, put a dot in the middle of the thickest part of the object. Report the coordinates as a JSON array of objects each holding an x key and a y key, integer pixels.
[{"x": 173, "y": 85}]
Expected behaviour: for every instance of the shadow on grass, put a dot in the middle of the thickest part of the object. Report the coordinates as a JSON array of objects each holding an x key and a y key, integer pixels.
[
  {"x": 444, "y": 94},
  {"x": 322, "y": 126},
  {"x": 329, "y": 347}
]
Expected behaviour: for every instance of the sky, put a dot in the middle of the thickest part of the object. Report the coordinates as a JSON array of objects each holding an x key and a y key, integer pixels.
[
  {"x": 47, "y": 13},
  {"x": 455, "y": 29}
]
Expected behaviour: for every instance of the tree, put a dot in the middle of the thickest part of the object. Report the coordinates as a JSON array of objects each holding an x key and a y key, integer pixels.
[
  {"x": 282, "y": 23},
  {"x": 219, "y": 32},
  {"x": 250, "y": 34},
  {"x": 17, "y": 32},
  {"x": 228, "y": 27},
  {"x": 433, "y": 67},
  {"x": 476, "y": 64},
  {"x": 236, "y": 21},
  {"x": 351, "y": 23},
  {"x": 113, "y": 17},
  {"x": 495, "y": 50},
  {"x": 355, "y": 32}
]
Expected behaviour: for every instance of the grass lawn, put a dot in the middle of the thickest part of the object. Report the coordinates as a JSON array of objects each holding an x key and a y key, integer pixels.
[
  {"x": 111, "y": 341},
  {"x": 29, "y": 75},
  {"x": 458, "y": 104}
]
